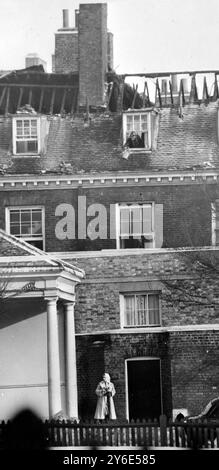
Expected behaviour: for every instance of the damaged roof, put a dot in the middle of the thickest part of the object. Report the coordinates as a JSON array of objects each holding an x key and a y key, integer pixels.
[
  {"x": 74, "y": 148},
  {"x": 185, "y": 136}
]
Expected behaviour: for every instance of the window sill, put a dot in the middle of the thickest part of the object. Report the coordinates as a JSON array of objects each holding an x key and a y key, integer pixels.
[
  {"x": 137, "y": 150},
  {"x": 140, "y": 327},
  {"x": 25, "y": 155}
]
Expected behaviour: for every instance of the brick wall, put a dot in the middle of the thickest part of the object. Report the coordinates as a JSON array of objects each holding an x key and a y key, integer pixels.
[
  {"x": 66, "y": 52},
  {"x": 98, "y": 296},
  {"x": 189, "y": 367},
  {"x": 186, "y": 211},
  {"x": 92, "y": 52},
  {"x": 195, "y": 369}
]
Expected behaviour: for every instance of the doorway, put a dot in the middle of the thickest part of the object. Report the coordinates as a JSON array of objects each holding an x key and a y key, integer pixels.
[{"x": 143, "y": 388}]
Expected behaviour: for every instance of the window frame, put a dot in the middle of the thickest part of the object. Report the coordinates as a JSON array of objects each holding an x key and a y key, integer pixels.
[
  {"x": 138, "y": 113},
  {"x": 118, "y": 218},
  {"x": 26, "y": 239},
  {"x": 136, "y": 293},
  {"x": 25, "y": 117}
]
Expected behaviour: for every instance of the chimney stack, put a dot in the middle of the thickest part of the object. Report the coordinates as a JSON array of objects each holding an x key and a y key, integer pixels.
[
  {"x": 65, "y": 19},
  {"x": 92, "y": 41}
]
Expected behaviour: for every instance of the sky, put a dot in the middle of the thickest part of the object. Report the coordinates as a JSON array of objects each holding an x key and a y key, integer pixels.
[{"x": 149, "y": 35}]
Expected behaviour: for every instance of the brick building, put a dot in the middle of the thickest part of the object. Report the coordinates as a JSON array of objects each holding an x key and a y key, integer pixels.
[{"x": 137, "y": 218}]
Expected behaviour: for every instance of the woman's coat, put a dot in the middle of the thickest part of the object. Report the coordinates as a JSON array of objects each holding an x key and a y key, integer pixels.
[{"x": 103, "y": 408}]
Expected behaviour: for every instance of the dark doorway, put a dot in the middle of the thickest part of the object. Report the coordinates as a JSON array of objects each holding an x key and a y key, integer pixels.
[{"x": 144, "y": 389}]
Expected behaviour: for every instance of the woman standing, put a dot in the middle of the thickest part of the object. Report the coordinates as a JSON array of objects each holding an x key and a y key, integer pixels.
[{"x": 105, "y": 392}]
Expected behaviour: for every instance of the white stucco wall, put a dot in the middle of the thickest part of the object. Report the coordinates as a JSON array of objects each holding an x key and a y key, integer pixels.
[{"x": 23, "y": 358}]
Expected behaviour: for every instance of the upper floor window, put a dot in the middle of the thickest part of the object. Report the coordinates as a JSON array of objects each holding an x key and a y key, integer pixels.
[
  {"x": 27, "y": 223},
  {"x": 137, "y": 130},
  {"x": 140, "y": 309},
  {"x": 26, "y": 135},
  {"x": 135, "y": 227},
  {"x": 215, "y": 222}
]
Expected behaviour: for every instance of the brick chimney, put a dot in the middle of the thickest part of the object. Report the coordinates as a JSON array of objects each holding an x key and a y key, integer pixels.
[
  {"x": 66, "y": 47},
  {"x": 87, "y": 49},
  {"x": 93, "y": 42}
]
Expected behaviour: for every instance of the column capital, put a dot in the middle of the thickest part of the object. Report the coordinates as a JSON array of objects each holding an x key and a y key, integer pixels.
[
  {"x": 51, "y": 299},
  {"x": 69, "y": 303}
]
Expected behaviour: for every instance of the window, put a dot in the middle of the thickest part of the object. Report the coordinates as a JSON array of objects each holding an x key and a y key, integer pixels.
[
  {"x": 26, "y": 136},
  {"x": 215, "y": 222},
  {"x": 26, "y": 223},
  {"x": 135, "y": 226},
  {"x": 137, "y": 130},
  {"x": 140, "y": 309}
]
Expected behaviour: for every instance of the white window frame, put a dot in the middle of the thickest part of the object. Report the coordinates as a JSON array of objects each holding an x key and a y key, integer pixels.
[
  {"x": 138, "y": 113},
  {"x": 122, "y": 310},
  {"x": 26, "y": 238},
  {"x": 27, "y": 117},
  {"x": 136, "y": 205}
]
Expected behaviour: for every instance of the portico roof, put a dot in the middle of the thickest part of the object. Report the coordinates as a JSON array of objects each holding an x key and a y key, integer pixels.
[{"x": 28, "y": 271}]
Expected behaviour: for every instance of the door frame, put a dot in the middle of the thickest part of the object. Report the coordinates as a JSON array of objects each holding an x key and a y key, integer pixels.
[{"x": 126, "y": 380}]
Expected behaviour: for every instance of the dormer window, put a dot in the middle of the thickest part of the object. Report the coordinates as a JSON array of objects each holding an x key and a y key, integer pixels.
[
  {"x": 137, "y": 130},
  {"x": 26, "y": 135}
]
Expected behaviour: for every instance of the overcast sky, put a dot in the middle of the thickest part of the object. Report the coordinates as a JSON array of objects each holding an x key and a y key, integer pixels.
[{"x": 149, "y": 35}]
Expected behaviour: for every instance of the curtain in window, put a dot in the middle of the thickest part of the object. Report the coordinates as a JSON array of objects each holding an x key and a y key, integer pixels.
[
  {"x": 153, "y": 309},
  {"x": 130, "y": 310}
]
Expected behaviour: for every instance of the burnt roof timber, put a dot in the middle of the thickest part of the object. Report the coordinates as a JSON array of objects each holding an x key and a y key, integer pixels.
[
  {"x": 34, "y": 85},
  {"x": 41, "y": 100},
  {"x": 52, "y": 101},
  {"x": 30, "y": 96},
  {"x": 7, "y": 101},
  {"x": 2, "y": 95},
  {"x": 63, "y": 102},
  {"x": 167, "y": 74},
  {"x": 20, "y": 97}
]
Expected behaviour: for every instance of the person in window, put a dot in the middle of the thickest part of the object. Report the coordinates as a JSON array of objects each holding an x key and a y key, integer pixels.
[
  {"x": 105, "y": 392},
  {"x": 134, "y": 141}
]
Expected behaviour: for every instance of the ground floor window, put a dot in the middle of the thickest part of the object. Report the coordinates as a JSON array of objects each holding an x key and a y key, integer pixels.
[{"x": 140, "y": 309}]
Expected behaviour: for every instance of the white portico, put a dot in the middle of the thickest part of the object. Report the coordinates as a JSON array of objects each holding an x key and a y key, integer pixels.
[{"x": 41, "y": 290}]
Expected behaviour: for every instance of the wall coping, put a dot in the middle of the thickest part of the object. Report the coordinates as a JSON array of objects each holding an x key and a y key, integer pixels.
[
  {"x": 129, "y": 252},
  {"x": 168, "y": 329}
]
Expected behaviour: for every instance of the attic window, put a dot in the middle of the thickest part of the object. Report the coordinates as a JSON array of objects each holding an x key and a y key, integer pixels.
[
  {"x": 26, "y": 135},
  {"x": 137, "y": 130}
]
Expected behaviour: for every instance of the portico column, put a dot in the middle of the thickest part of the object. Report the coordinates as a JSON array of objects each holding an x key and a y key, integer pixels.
[
  {"x": 54, "y": 390},
  {"x": 71, "y": 370}
]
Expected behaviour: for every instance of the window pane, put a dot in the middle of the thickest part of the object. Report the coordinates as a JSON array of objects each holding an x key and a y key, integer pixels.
[
  {"x": 136, "y": 224},
  {"x": 25, "y": 215},
  {"x": 15, "y": 229},
  {"x": 25, "y": 229},
  {"x": 129, "y": 310},
  {"x": 142, "y": 310},
  {"x": 153, "y": 307},
  {"x": 32, "y": 146},
  {"x": 137, "y": 126},
  {"x": 36, "y": 228},
  {"x": 124, "y": 221},
  {"x": 144, "y": 122},
  {"x": 147, "y": 219},
  {"x": 141, "y": 302},
  {"x": 21, "y": 147},
  {"x": 14, "y": 216},
  {"x": 36, "y": 214}
]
